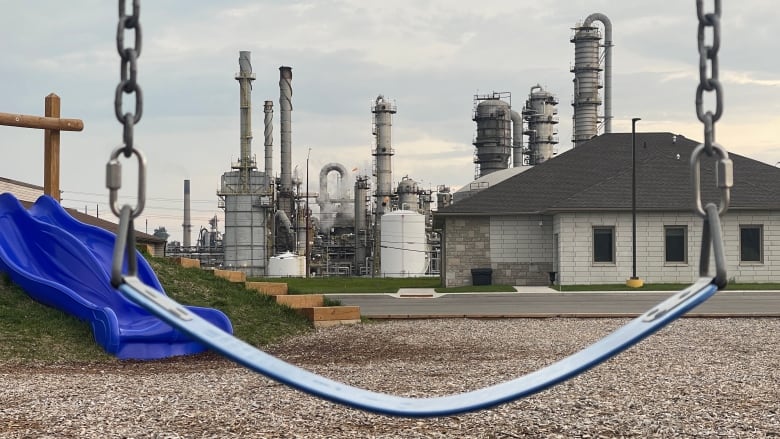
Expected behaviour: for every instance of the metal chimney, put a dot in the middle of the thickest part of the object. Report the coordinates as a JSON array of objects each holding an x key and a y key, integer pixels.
[
  {"x": 186, "y": 243},
  {"x": 285, "y": 103},
  {"x": 268, "y": 109},
  {"x": 245, "y": 78}
]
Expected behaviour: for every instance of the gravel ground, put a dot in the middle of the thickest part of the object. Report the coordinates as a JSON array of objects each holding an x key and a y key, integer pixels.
[{"x": 699, "y": 378}]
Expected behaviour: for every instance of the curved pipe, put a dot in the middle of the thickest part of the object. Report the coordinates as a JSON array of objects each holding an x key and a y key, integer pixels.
[
  {"x": 338, "y": 167},
  {"x": 286, "y": 223},
  {"x": 607, "y": 66}
]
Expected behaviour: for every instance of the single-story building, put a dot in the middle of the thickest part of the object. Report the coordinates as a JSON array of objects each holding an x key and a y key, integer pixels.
[
  {"x": 27, "y": 194},
  {"x": 572, "y": 216}
]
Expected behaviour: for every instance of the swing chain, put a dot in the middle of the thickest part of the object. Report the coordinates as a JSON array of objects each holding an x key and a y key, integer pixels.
[
  {"x": 709, "y": 52},
  {"x": 711, "y": 83},
  {"x": 128, "y": 84}
]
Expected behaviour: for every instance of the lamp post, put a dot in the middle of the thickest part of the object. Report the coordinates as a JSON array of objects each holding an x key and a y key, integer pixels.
[
  {"x": 308, "y": 215},
  {"x": 634, "y": 282}
]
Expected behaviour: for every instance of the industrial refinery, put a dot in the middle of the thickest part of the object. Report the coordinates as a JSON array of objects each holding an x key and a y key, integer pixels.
[{"x": 380, "y": 224}]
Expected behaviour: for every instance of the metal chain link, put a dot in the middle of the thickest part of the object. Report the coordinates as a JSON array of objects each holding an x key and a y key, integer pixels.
[
  {"x": 711, "y": 83},
  {"x": 128, "y": 84},
  {"x": 708, "y": 63},
  {"x": 724, "y": 173}
]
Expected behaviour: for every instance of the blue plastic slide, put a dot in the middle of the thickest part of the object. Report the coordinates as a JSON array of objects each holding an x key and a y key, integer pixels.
[{"x": 66, "y": 264}]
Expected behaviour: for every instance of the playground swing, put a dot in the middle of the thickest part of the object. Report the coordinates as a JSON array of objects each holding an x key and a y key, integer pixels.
[{"x": 242, "y": 353}]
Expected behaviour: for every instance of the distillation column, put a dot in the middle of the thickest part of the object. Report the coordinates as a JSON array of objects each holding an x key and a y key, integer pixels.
[
  {"x": 408, "y": 194},
  {"x": 383, "y": 110},
  {"x": 494, "y": 133},
  {"x": 587, "y": 68},
  {"x": 244, "y": 242},
  {"x": 541, "y": 116}
]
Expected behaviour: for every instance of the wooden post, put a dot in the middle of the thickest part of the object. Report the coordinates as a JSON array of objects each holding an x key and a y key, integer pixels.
[
  {"x": 51, "y": 150},
  {"x": 52, "y": 124}
]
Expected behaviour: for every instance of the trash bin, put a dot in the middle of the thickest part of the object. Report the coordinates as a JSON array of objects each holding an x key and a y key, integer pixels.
[{"x": 481, "y": 276}]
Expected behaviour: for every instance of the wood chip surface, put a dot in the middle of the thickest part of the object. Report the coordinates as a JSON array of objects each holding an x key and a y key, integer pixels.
[{"x": 698, "y": 378}]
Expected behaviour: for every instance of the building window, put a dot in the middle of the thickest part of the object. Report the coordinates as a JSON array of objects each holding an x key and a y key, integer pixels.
[
  {"x": 751, "y": 243},
  {"x": 603, "y": 244},
  {"x": 676, "y": 243}
]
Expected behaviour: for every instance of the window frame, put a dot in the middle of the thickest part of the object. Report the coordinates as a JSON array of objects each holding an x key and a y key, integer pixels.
[
  {"x": 684, "y": 260},
  {"x": 611, "y": 230},
  {"x": 760, "y": 228}
]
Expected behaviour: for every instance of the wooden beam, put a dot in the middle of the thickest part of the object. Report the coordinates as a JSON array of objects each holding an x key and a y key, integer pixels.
[
  {"x": 51, "y": 150},
  {"x": 40, "y": 122}
]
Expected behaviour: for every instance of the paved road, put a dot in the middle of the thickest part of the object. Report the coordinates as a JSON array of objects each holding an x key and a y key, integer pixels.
[{"x": 552, "y": 303}]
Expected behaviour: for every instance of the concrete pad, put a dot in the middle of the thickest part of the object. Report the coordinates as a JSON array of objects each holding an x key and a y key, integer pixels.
[{"x": 416, "y": 293}]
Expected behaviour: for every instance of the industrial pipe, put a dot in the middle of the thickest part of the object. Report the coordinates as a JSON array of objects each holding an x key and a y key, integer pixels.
[
  {"x": 268, "y": 109},
  {"x": 245, "y": 78},
  {"x": 287, "y": 224},
  {"x": 517, "y": 138},
  {"x": 285, "y": 122},
  {"x": 324, "y": 196}
]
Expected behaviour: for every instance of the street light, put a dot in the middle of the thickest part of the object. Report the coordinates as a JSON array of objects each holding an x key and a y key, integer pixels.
[
  {"x": 634, "y": 282},
  {"x": 308, "y": 215}
]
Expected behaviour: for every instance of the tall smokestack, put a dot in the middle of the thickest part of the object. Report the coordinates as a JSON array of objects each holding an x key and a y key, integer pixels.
[
  {"x": 285, "y": 103},
  {"x": 187, "y": 224},
  {"x": 245, "y": 78},
  {"x": 268, "y": 109}
]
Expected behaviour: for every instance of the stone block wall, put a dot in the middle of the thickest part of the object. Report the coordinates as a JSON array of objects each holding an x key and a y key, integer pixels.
[{"x": 466, "y": 246}]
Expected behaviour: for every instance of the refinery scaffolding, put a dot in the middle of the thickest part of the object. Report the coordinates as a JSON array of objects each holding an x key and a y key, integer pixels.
[
  {"x": 244, "y": 194},
  {"x": 541, "y": 116},
  {"x": 493, "y": 141},
  {"x": 587, "y": 71}
]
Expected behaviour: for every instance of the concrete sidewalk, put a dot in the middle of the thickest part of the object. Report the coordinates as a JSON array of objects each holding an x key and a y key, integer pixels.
[{"x": 546, "y": 302}]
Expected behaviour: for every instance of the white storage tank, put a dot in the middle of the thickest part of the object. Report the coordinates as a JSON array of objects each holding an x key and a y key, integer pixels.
[
  {"x": 403, "y": 244},
  {"x": 287, "y": 265}
]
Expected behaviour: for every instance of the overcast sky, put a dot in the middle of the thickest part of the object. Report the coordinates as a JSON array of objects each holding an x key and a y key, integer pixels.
[{"x": 430, "y": 56}]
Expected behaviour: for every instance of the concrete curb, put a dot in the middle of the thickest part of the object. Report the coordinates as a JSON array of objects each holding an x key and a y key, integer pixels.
[{"x": 563, "y": 316}]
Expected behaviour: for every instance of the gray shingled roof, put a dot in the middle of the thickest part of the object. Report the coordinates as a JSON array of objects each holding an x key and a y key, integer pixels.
[
  {"x": 597, "y": 176},
  {"x": 112, "y": 227}
]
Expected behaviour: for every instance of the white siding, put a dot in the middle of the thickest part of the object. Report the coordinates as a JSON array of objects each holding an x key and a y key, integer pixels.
[{"x": 575, "y": 244}]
